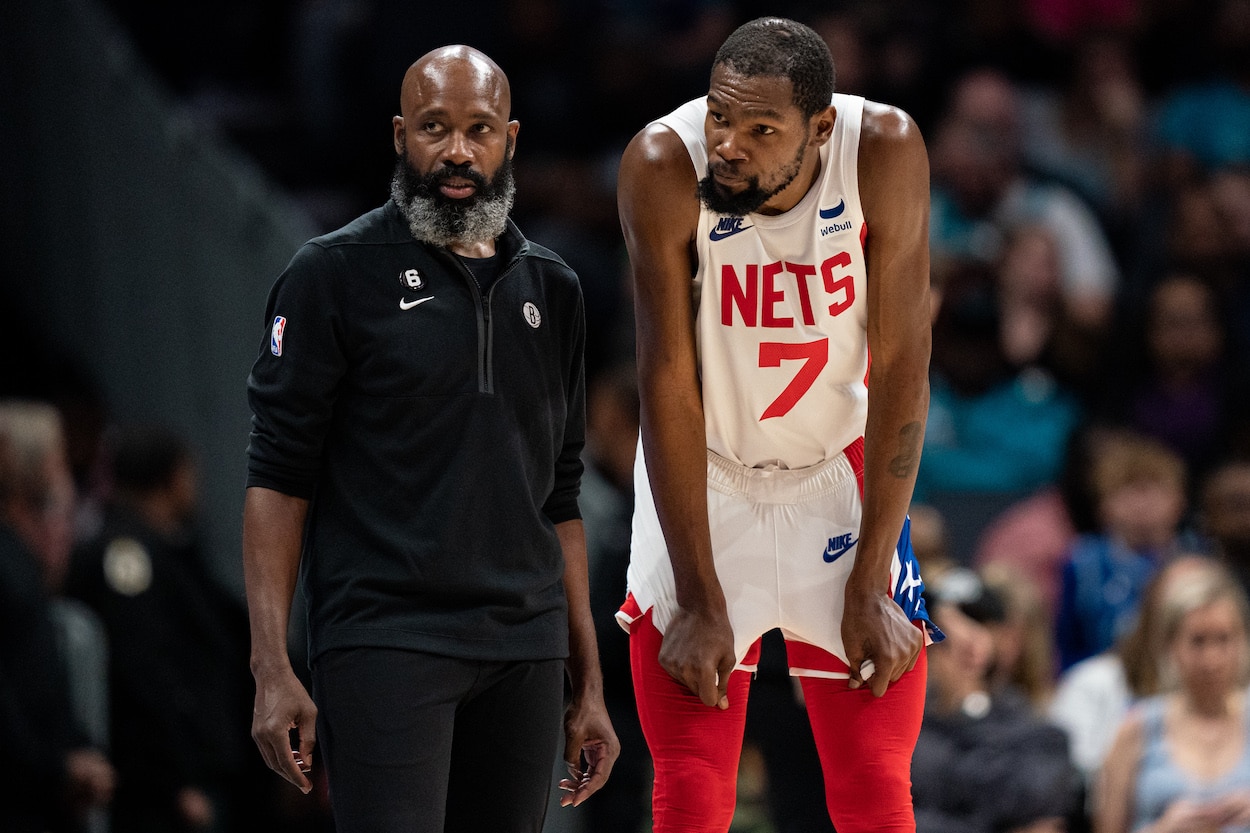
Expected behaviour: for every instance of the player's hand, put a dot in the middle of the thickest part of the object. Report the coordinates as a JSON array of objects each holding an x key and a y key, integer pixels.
[
  {"x": 875, "y": 629},
  {"x": 590, "y": 749},
  {"x": 282, "y": 704},
  {"x": 698, "y": 652}
]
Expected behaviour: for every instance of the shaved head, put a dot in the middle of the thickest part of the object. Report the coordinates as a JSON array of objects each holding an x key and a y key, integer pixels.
[{"x": 458, "y": 65}]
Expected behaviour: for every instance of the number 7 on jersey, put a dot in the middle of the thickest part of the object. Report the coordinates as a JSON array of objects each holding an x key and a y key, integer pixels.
[{"x": 813, "y": 354}]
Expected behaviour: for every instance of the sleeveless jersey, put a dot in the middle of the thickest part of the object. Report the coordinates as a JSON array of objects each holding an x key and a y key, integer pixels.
[{"x": 781, "y": 305}]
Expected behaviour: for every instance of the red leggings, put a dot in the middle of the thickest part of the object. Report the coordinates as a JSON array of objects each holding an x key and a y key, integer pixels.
[{"x": 865, "y": 745}]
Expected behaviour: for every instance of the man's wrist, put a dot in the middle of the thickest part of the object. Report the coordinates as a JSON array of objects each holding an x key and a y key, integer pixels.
[
  {"x": 585, "y": 685},
  {"x": 702, "y": 597},
  {"x": 269, "y": 664}
]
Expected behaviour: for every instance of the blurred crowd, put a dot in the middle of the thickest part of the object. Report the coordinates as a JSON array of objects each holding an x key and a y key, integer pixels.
[{"x": 1083, "y": 505}]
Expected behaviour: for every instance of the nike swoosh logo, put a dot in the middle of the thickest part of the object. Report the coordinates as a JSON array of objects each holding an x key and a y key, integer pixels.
[
  {"x": 832, "y": 555},
  {"x": 410, "y": 304},
  {"x": 830, "y": 213},
  {"x": 715, "y": 235}
]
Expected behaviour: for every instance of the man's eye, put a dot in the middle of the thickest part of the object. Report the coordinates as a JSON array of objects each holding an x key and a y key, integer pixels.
[{"x": 765, "y": 130}]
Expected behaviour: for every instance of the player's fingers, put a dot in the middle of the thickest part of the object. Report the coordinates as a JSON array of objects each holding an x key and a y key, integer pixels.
[
  {"x": 573, "y": 755},
  {"x": 597, "y": 772},
  {"x": 878, "y": 681},
  {"x": 707, "y": 687},
  {"x": 294, "y": 767},
  {"x": 271, "y": 739},
  {"x": 591, "y": 785},
  {"x": 913, "y": 658},
  {"x": 854, "y": 674},
  {"x": 723, "y": 671},
  {"x": 307, "y": 740},
  {"x": 281, "y": 759}
]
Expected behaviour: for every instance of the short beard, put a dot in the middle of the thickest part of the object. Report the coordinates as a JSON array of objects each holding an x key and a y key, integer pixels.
[
  {"x": 751, "y": 198},
  {"x": 441, "y": 221}
]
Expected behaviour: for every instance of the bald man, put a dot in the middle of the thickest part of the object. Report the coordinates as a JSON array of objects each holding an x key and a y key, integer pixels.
[{"x": 417, "y": 425}]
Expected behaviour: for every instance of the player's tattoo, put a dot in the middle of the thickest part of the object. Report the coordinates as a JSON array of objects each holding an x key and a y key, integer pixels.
[{"x": 909, "y": 439}]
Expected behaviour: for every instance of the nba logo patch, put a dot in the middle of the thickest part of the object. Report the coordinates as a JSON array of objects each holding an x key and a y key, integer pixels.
[{"x": 275, "y": 338}]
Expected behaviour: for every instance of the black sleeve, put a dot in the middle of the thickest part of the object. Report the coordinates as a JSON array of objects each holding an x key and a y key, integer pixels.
[
  {"x": 293, "y": 384},
  {"x": 1006, "y": 771},
  {"x": 561, "y": 504},
  {"x": 36, "y": 724}
]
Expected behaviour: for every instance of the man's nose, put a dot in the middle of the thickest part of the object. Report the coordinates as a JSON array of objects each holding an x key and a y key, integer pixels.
[
  {"x": 458, "y": 150},
  {"x": 728, "y": 147}
]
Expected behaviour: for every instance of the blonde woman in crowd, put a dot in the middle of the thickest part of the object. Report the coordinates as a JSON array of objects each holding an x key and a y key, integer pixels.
[
  {"x": 1181, "y": 760},
  {"x": 1093, "y": 696}
]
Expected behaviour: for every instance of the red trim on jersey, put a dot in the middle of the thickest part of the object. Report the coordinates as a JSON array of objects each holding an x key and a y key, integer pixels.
[
  {"x": 863, "y": 247},
  {"x": 629, "y": 612},
  {"x": 855, "y": 456}
]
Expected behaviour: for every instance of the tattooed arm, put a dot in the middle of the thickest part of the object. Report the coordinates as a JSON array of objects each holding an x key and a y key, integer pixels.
[{"x": 894, "y": 189}]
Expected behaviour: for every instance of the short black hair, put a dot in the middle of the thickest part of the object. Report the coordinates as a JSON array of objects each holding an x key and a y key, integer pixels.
[{"x": 782, "y": 47}]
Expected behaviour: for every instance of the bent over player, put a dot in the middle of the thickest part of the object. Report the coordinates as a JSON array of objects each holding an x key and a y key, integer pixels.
[{"x": 777, "y": 236}]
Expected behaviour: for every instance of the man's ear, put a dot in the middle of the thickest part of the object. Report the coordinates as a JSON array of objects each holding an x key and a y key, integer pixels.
[
  {"x": 822, "y": 125},
  {"x": 397, "y": 124},
  {"x": 513, "y": 127}
]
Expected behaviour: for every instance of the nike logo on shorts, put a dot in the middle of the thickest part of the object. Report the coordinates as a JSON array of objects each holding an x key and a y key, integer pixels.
[{"x": 839, "y": 546}]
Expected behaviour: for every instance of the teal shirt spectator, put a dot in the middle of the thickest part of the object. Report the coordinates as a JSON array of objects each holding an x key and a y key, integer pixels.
[
  {"x": 1009, "y": 439},
  {"x": 1210, "y": 122}
]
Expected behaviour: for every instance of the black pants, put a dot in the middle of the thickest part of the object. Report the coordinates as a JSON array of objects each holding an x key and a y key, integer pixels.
[{"x": 420, "y": 743}]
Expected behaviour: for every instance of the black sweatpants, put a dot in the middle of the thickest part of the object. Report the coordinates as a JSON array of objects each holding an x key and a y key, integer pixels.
[{"x": 421, "y": 743}]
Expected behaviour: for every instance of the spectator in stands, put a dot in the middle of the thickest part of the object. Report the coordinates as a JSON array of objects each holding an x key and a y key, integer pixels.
[
  {"x": 981, "y": 193},
  {"x": 984, "y": 761},
  {"x": 1093, "y": 696},
  {"x": 992, "y": 428},
  {"x": 180, "y": 692},
  {"x": 1176, "y": 380},
  {"x": 50, "y": 777},
  {"x": 1181, "y": 760},
  {"x": 1088, "y": 131},
  {"x": 1139, "y": 488},
  {"x": 1034, "y": 536},
  {"x": 1205, "y": 125},
  {"x": 1225, "y": 517}
]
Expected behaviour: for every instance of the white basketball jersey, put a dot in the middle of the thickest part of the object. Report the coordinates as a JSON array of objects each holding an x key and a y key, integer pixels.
[{"x": 781, "y": 306}]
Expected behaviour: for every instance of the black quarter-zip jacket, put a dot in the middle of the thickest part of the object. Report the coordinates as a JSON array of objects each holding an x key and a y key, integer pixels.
[{"x": 436, "y": 431}]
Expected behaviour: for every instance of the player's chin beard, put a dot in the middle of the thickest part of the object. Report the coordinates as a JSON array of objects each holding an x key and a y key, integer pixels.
[
  {"x": 442, "y": 221},
  {"x": 749, "y": 199}
]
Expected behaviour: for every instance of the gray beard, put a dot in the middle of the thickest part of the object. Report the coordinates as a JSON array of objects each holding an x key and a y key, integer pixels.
[{"x": 441, "y": 222}]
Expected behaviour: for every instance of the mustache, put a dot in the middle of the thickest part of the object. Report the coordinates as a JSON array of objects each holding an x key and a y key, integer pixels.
[{"x": 427, "y": 185}]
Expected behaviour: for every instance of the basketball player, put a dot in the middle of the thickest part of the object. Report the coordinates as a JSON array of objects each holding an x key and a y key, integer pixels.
[{"x": 775, "y": 240}]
